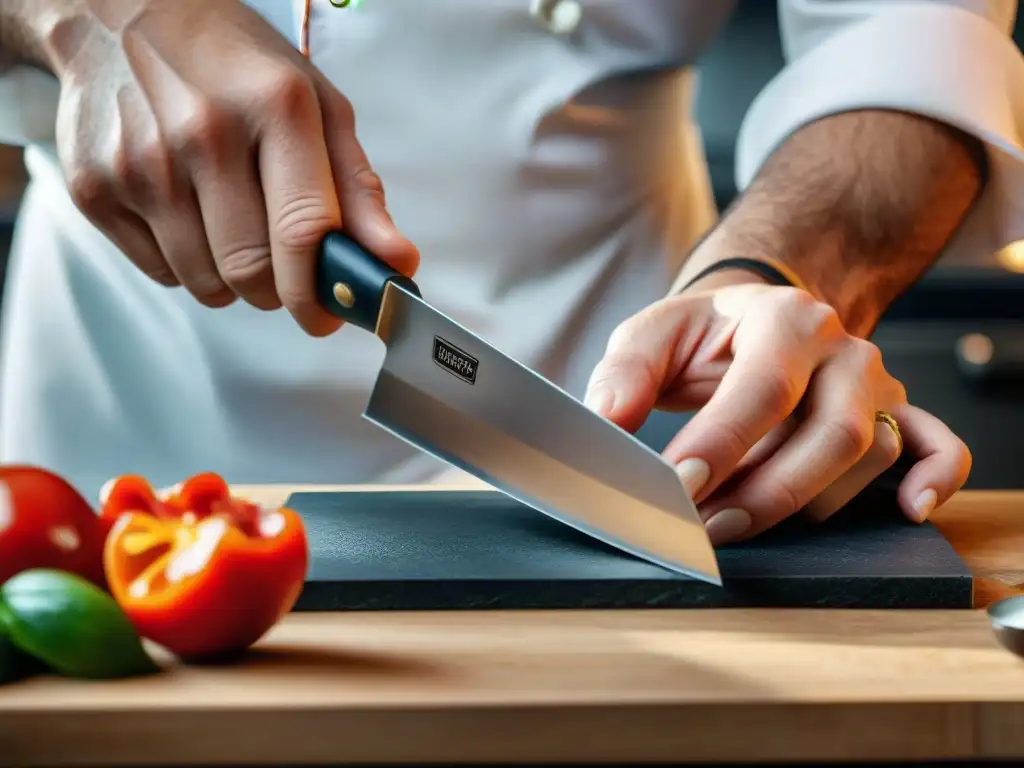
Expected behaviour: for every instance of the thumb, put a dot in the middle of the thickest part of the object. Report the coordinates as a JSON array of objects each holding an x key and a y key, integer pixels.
[
  {"x": 626, "y": 384},
  {"x": 360, "y": 190}
]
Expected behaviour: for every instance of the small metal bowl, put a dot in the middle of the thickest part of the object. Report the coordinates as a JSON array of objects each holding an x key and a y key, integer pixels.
[{"x": 1007, "y": 616}]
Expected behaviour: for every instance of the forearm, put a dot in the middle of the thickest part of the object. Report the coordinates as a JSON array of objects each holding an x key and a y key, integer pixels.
[{"x": 859, "y": 205}]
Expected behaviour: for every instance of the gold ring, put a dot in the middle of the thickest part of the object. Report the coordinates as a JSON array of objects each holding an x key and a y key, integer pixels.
[{"x": 887, "y": 418}]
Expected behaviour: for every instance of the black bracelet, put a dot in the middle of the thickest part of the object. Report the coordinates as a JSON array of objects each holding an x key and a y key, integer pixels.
[{"x": 772, "y": 274}]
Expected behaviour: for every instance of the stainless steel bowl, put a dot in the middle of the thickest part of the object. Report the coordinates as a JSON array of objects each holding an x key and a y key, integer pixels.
[{"x": 1007, "y": 616}]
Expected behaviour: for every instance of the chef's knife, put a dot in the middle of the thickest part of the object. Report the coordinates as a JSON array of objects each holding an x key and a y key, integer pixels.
[{"x": 451, "y": 394}]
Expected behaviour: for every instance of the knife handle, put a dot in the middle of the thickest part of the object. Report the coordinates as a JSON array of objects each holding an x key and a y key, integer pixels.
[{"x": 350, "y": 281}]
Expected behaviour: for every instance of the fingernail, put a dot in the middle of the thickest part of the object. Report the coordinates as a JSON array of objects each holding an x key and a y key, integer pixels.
[
  {"x": 600, "y": 401},
  {"x": 925, "y": 504},
  {"x": 727, "y": 525},
  {"x": 694, "y": 473}
]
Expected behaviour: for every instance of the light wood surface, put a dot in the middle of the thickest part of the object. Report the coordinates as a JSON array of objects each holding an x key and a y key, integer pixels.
[{"x": 571, "y": 686}]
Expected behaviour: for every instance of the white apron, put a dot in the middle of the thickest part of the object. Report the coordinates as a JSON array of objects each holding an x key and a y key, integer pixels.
[
  {"x": 550, "y": 173},
  {"x": 552, "y": 182}
]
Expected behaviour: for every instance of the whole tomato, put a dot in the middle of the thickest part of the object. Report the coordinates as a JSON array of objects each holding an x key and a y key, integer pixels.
[{"x": 46, "y": 523}]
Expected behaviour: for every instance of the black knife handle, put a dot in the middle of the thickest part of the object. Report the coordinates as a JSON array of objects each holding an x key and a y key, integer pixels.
[{"x": 350, "y": 280}]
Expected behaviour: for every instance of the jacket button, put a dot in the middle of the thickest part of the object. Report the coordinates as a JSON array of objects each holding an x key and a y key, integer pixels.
[{"x": 561, "y": 17}]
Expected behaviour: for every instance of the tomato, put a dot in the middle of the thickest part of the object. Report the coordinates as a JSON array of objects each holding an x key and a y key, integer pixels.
[
  {"x": 202, "y": 573},
  {"x": 46, "y": 523}
]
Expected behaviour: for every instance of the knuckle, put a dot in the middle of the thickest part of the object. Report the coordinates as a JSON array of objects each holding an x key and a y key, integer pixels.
[
  {"x": 867, "y": 357},
  {"x": 851, "y": 435},
  {"x": 780, "y": 498},
  {"x": 964, "y": 462},
  {"x": 897, "y": 391},
  {"x": 823, "y": 320},
  {"x": 289, "y": 92},
  {"x": 209, "y": 289},
  {"x": 342, "y": 112},
  {"x": 89, "y": 188},
  {"x": 217, "y": 300},
  {"x": 729, "y": 437},
  {"x": 245, "y": 266},
  {"x": 791, "y": 300},
  {"x": 629, "y": 367},
  {"x": 808, "y": 317},
  {"x": 301, "y": 303},
  {"x": 161, "y": 274},
  {"x": 796, "y": 297},
  {"x": 795, "y": 309},
  {"x": 301, "y": 223},
  {"x": 625, "y": 335},
  {"x": 206, "y": 133},
  {"x": 779, "y": 392},
  {"x": 368, "y": 182},
  {"x": 145, "y": 170},
  {"x": 123, "y": 168},
  {"x": 604, "y": 372}
]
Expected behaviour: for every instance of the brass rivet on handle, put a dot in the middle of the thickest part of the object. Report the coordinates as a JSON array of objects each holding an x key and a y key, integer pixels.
[{"x": 343, "y": 293}]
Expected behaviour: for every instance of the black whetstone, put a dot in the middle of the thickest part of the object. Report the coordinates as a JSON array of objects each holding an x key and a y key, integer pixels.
[{"x": 451, "y": 550}]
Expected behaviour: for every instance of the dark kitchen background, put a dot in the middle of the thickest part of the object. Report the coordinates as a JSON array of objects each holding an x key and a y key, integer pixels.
[{"x": 955, "y": 340}]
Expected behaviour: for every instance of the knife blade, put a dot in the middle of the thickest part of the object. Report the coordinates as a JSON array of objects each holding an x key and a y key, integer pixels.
[{"x": 449, "y": 393}]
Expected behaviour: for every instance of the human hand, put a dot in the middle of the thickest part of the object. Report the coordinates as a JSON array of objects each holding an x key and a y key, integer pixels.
[
  {"x": 787, "y": 400},
  {"x": 210, "y": 151}
]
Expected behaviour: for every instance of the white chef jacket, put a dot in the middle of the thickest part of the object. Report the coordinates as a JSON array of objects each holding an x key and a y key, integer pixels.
[{"x": 546, "y": 164}]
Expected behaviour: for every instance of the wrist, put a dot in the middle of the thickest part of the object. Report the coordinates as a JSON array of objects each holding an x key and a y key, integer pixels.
[
  {"x": 52, "y": 34},
  {"x": 859, "y": 226},
  {"x": 21, "y": 41},
  {"x": 769, "y": 271},
  {"x": 816, "y": 253},
  {"x": 723, "y": 278}
]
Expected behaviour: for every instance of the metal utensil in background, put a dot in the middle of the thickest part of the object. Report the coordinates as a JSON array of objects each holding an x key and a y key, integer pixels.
[
  {"x": 1007, "y": 617},
  {"x": 448, "y": 392}
]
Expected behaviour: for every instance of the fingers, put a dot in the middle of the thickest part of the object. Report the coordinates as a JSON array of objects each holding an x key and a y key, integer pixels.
[
  {"x": 225, "y": 182},
  {"x": 142, "y": 193},
  {"x": 791, "y": 425},
  {"x": 883, "y": 453},
  {"x": 179, "y": 232},
  {"x": 301, "y": 199},
  {"x": 132, "y": 235},
  {"x": 768, "y": 445},
  {"x": 835, "y": 434},
  {"x": 639, "y": 359},
  {"x": 943, "y": 468},
  {"x": 99, "y": 173},
  {"x": 128, "y": 231},
  {"x": 161, "y": 232},
  {"x": 234, "y": 215},
  {"x": 776, "y": 350},
  {"x": 159, "y": 158},
  {"x": 360, "y": 189}
]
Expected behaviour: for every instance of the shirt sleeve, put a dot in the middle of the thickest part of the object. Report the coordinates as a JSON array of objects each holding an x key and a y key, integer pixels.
[
  {"x": 950, "y": 60},
  {"x": 28, "y": 106}
]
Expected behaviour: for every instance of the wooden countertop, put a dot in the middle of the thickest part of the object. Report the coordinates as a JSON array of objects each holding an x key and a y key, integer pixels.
[{"x": 572, "y": 686}]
